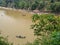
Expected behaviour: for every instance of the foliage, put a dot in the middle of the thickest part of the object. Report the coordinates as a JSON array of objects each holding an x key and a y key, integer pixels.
[
  {"x": 28, "y": 43},
  {"x": 36, "y": 42},
  {"x": 55, "y": 38},
  {"x": 45, "y": 23},
  {"x": 52, "y": 39},
  {"x": 52, "y": 1},
  {"x": 21, "y": 4},
  {"x": 4, "y": 41},
  {"x": 2, "y": 3},
  {"x": 42, "y": 5},
  {"x": 16, "y": 3},
  {"x": 55, "y": 7},
  {"x": 47, "y": 29},
  {"x": 38, "y": 5},
  {"x": 32, "y": 4}
]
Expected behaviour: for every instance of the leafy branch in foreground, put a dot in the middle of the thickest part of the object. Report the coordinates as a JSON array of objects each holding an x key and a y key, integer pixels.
[{"x": 4, "y": 41}]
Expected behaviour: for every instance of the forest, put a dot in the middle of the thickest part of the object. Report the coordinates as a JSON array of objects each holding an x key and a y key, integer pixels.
[{"x": 45, "y": 5}]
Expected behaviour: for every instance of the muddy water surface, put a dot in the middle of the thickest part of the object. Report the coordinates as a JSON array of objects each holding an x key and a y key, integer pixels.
[{"x": 13, "y": 23}]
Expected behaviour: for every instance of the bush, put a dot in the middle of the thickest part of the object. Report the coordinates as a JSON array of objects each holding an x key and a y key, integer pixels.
[
  {"x": 45, "y": 23},
  {"x": 53, "y": 39},
  {"x": 47, "y": 29},
  {"x": 36, "y": 42}
]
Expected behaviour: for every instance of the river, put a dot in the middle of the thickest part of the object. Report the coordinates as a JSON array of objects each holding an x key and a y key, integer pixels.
[{"x": 14, "y": 23}]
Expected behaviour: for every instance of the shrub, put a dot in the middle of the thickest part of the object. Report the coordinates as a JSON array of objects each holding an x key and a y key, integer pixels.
[
  {"x": 53, "y": 39},
  {"x": 47, "y": 29},
  {"x": 45, "y": 23}
]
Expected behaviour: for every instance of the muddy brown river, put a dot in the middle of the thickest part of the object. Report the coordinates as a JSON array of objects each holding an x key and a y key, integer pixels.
[{"x": 14, "y": 23}]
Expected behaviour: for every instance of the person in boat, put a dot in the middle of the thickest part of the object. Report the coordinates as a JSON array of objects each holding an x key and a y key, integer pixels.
[{"x": 20, "y": 36}]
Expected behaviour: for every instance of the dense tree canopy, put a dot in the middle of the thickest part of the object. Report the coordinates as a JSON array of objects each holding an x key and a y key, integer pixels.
[{"x": 53, "y": 5}]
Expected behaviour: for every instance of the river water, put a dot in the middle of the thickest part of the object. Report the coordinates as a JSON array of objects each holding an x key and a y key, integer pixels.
[{"x": 14, "y": 23}]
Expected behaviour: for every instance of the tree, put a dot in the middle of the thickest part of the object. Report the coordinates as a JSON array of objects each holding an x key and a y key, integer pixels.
[
  {"x": 55, "y": 7},
  {"x": 21, "y": 4},
  {"x": 16, "y": 3},
  {"x": 2, "y": 3},
  {"x": 58, "y": 0},
  {"x": 41, "y": 5},
  {"x": 34, "y": 5},
  {"x": 52, "y": 1}
]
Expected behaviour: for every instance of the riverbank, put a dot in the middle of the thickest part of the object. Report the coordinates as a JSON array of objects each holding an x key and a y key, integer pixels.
[
  {"x": 31, "y": 12},
  {"x": 6, "y": 8},
  {"x": 22, "y": 10}
]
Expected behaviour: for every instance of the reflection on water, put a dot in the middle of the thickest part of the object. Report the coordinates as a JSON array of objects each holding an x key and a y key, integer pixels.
[{"x": 13, "y": 24}]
